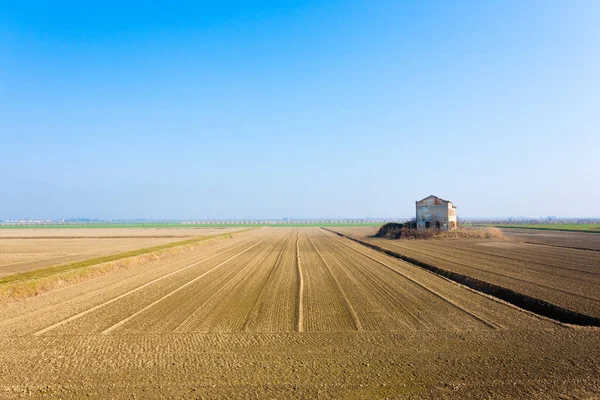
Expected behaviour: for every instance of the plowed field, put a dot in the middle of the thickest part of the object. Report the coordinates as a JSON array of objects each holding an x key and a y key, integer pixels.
[
  {"x": 567, "y": 277},
  {"x": 578, "y": 240},
  {"x": 286, "y": 312},
  {"x": 29, "y": 249},
  {"x": 69, "y": 233}
]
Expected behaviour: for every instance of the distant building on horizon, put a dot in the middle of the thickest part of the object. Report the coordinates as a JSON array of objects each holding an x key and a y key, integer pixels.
[{"x": 436, "y": 213}]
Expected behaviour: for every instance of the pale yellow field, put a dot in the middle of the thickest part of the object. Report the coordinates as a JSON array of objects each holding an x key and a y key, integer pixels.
[
  {"x": 286, "y": 313},
  {"x": 28, "y": 249},
  {"x": 111, "y": 232},
  {"x": 568, "y": 277}
]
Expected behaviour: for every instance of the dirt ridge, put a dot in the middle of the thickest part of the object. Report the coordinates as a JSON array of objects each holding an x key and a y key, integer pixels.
[{"x": 300, "y": 289}]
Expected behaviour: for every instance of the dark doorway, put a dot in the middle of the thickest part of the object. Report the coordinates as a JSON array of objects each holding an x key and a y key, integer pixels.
[
  {"x": 437, "y": 225},
  {"x": 427, "y": 224}
]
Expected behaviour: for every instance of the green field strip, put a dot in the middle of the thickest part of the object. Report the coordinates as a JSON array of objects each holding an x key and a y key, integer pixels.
[{"x": 584, "y": 228}]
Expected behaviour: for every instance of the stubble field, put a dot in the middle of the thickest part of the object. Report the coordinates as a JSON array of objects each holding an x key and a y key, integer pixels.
[{"x": 286, "y": 312}]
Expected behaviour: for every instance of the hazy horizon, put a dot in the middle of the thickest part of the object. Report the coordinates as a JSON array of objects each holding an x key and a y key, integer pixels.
[
  {"x": 524, "y": 218},
  {"x": 301, "y": 109}
]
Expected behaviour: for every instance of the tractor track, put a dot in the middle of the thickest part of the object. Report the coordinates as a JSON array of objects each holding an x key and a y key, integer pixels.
[{"x": 300, "y": 290}]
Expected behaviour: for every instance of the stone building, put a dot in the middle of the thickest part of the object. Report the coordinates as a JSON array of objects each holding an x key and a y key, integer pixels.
[{"x": 436, "y": 213}]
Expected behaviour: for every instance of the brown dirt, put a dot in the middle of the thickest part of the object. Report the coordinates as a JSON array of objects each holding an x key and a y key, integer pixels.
[
  {"x": 556, "y": 238},
  {"x": 567, "y": 277},
  {"x": 111, "y": 232},
  {"x": 222, "y": 322},
  {"x": 24, "y": 251}
]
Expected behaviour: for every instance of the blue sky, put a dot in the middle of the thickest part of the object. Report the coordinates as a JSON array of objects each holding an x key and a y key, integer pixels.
[{"x": 299, "y": 108}]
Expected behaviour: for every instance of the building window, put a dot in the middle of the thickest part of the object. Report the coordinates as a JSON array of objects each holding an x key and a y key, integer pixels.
[
  {"x": 427, "y": 224},
  {"x": 437, "y": 224}
]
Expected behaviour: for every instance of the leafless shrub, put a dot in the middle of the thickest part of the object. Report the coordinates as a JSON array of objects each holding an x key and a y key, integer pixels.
[{"x": 408, "y": 232}]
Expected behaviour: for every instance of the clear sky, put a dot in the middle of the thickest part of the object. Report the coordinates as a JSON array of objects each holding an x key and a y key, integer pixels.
[{"x": 276, "y": 109}]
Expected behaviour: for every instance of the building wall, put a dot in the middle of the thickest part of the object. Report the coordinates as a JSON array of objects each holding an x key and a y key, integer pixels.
[
  {"x": 434, "y": 213},
  {"x": 452, "y": 220}
]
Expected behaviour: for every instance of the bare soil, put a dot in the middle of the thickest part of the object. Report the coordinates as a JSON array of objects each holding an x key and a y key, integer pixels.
[
  {"x": 110, "y": 232},
  {"x": 567, "y": 277},
  {"x": 556, "y": 238},
  {"x": 286, "y": 313},
  {"x": 23, "y": 250}
]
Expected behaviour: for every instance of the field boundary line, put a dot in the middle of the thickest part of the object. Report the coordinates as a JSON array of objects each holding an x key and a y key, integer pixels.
[
  {"x": 99, "y": 237},
  {"x": 481, "y": 319},
  {"x": 356, "y": 321},
  {"x": 525, "y": 261},
  {"x": 532, "y": 304},
  {"x": 262, "y": 289},
  {"x": 82, "y": 313},
  {"x": 111, "y": 286},
  {"x": 125, "y": 320},
  {"x": 167, "y": 262},
  {"x": 50, "y": 258},
  {"x": 56, "y": 270},
  {"x": 300, "y": 293},
  {"x": 212, "y": 296},
  {"x": 547, "y": 229},
  {"x": 562, "y": 247},
  {"x": 215, "y": 293},
  {"x": 514, "y": 278}
]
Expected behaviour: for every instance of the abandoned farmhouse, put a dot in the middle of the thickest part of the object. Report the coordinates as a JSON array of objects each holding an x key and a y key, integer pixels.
[{"x": 436, "y": 213}]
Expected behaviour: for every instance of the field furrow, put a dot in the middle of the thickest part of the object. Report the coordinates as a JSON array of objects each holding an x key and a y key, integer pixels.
[
  {"x": 173, "y": 305},
  {"x": 126, "y": 304},
  {"x": 488, "y": 311},
  {"x": 425, "y": 294},
  {"x": 564, "y": 239},
  {"x": 266, "y": 312},
  {"x": 578, "y": 293},
  {"x": 274, "y": 310},
  {"x": 529, "y": 269},
  {"x": 568, "y": 286},
  {"x": 355, "y": 319},
  {"x": 299, "y": 315},
  {"x": 528, "y": 259},
  {"x": 324, "y": 306},
  {"x": 559, "y": 258},
  {"x": 26, "y": 254},
  {"x": 56, "y": 307},
  {"x": 230, "y": 305}
]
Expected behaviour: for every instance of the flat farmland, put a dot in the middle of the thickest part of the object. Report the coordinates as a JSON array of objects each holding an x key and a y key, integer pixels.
[
  {"x": 28, "y": 249},
  {"x": 54, "y": 233},
  {"x": 283, "y": 313},
  {"x": 563, "y": 276},
  {"x": 579, "y": 240}
]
